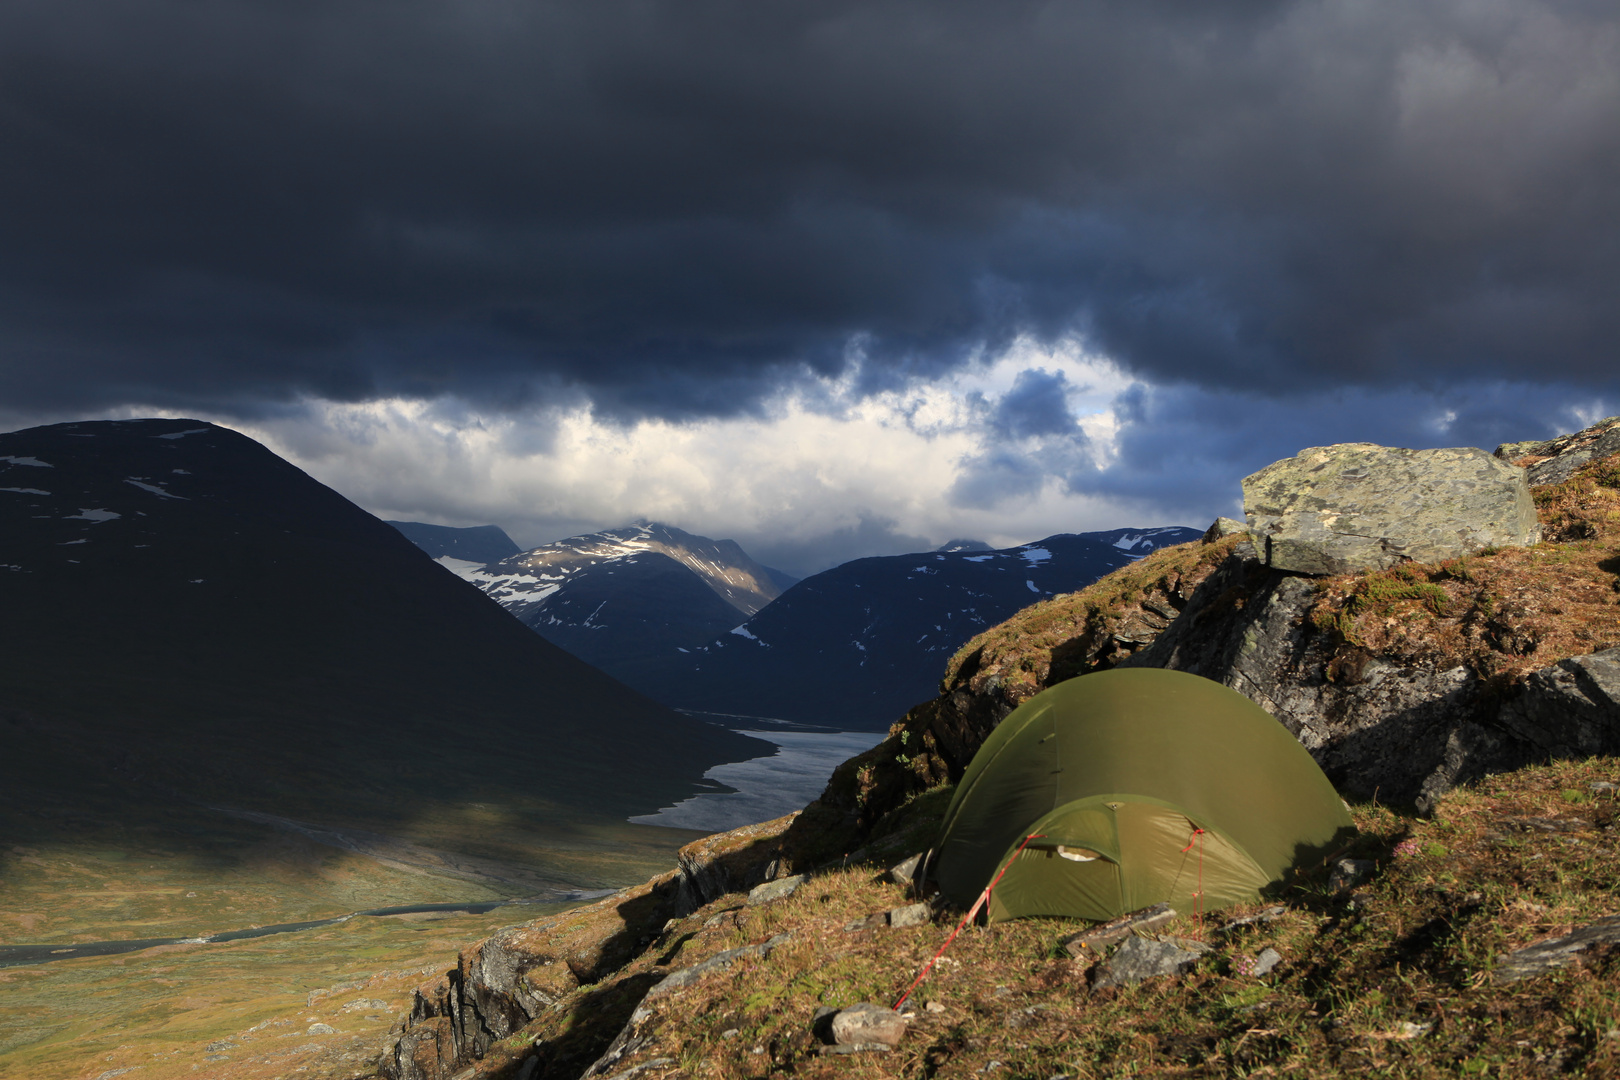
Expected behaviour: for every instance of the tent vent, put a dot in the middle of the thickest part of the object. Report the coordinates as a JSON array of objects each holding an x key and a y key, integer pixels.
[{"x": 1078, "y": 854}]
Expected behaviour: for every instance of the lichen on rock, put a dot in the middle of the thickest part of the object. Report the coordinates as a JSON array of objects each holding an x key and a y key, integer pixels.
[{"x": 1359, "y": 506}]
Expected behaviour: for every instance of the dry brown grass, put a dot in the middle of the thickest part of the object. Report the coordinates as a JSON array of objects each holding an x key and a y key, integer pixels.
[
  {"x": 1071, "y": 634},
  {"x": 1504, "y": 613},
  {"x": 1390, "y": 979}
]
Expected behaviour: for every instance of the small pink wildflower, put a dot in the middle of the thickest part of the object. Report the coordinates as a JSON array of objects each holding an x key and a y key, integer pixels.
[{"x": 1407, "y": 848}]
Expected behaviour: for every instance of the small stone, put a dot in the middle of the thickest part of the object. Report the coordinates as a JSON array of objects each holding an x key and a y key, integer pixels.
[
  {"x": 903, "y": 873},
  {"x": 1100, "y": 937},
  {"x": 911, "y": 915},
  {"x": 731, "y": 1033},
  {"x": 868, "y": 1022},
  {"x": 1600, "y": 786},
  {"x": 1347, "y": 873},
  {"x": 1144, "y": 958},
  {"x": 776, "y": 890},
  {"x": 1249, "y": 920},
  {"x": 1268, "y": 959},
  {"x": 320, "y": 1029},
  {"x": 934, "y": 1007},
  {"x": 1224, "y": 527},
  {"x": 1555, "y": 952},
  {"x": 359, "y": 1004},
  {"x": 1408, "y": 1030}
]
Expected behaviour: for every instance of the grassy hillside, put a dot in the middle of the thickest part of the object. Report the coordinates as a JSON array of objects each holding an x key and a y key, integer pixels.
[{"x": 1402, "y": 973}]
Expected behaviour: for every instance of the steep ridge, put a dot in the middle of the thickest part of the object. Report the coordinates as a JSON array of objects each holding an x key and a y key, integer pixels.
[
  {"x": 479, "y": 543},
  {"x": 620, "y": 597},
  {"x": 221, "y": 628},
  {"x": 1419, "y": 677},
  {"x": 857, "y": 645}
]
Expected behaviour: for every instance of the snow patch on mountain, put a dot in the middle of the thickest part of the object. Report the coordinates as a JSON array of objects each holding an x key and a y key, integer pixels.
[{"x": 153, "y": 488}]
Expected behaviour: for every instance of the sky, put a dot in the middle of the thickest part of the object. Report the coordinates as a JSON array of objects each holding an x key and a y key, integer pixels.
[{"x": 832, "y": 279}]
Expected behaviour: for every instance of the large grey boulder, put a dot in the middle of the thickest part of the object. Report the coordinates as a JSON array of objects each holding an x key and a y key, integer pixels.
[{"x": 1359, "y": 506}]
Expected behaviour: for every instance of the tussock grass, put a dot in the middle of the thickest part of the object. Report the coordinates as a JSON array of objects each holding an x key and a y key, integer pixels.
[{"x": 1072, "y": 634}]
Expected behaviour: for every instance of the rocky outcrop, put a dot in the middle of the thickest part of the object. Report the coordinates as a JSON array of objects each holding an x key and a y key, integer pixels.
[
  {"x": 1571, "y": 709},
  {"x": 503, "y": 982},
  {"x": 1376, "y": 725},
  {"x": 1556, "y": 460},
  {"x": 1359, "y": 506}
]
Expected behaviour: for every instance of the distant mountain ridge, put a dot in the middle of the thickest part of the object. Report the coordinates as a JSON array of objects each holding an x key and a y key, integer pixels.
[
  {"x": 619, "y": 597},
  {"x": 856, "y": 646},
  {"x": 478, "y": 543}
]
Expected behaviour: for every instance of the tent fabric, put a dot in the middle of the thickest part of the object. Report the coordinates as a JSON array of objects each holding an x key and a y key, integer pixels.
[{"x": 1118, "y": 771}]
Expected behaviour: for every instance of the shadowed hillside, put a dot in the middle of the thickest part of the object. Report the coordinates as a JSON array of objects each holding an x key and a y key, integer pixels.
[{"x": 190, "y": 617}]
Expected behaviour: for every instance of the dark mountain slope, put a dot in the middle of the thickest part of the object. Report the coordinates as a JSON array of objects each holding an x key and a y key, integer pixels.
[
  {"x": 480, "y": 543},
  {"x": 858, "y": 645},
  {"x": 187, "y": 613}
]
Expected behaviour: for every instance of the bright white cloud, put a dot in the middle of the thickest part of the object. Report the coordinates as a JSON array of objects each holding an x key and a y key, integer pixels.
[
  {"x": 1032, "y": 442},
  {"x": 817, "y": 460}
]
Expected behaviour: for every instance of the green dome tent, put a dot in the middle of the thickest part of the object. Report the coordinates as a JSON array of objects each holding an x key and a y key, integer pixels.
[{"x": 1117, "y": 772}]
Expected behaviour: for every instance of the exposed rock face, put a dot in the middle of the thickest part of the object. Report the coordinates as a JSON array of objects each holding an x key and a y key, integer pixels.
[
  {"x": 1554, "y": 461},
  {"x": 1404, "y": 729},
  {"x": 731, "y": 861},
  {"x": 1375, "y": 724},
  {"x": 1571, "y": 708},
  {"x": 1359, "y": 506},
  {"x": 504, "y": 981}
]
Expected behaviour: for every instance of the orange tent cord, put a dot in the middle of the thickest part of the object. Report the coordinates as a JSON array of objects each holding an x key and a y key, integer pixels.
[
  {"x": 974, "y": 910},
  {"x": 1197, "y": 837}
]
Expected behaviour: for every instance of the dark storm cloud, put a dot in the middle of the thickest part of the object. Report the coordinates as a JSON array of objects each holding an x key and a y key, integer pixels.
[
  {"x": 1182, "y": 452},
  {"x": 1034, "y": 406},
  {"x": 671, "y": 207}
]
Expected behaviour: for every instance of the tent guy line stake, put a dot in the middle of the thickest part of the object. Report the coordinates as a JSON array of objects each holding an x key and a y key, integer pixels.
[{"x": 972, "y": 911}]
